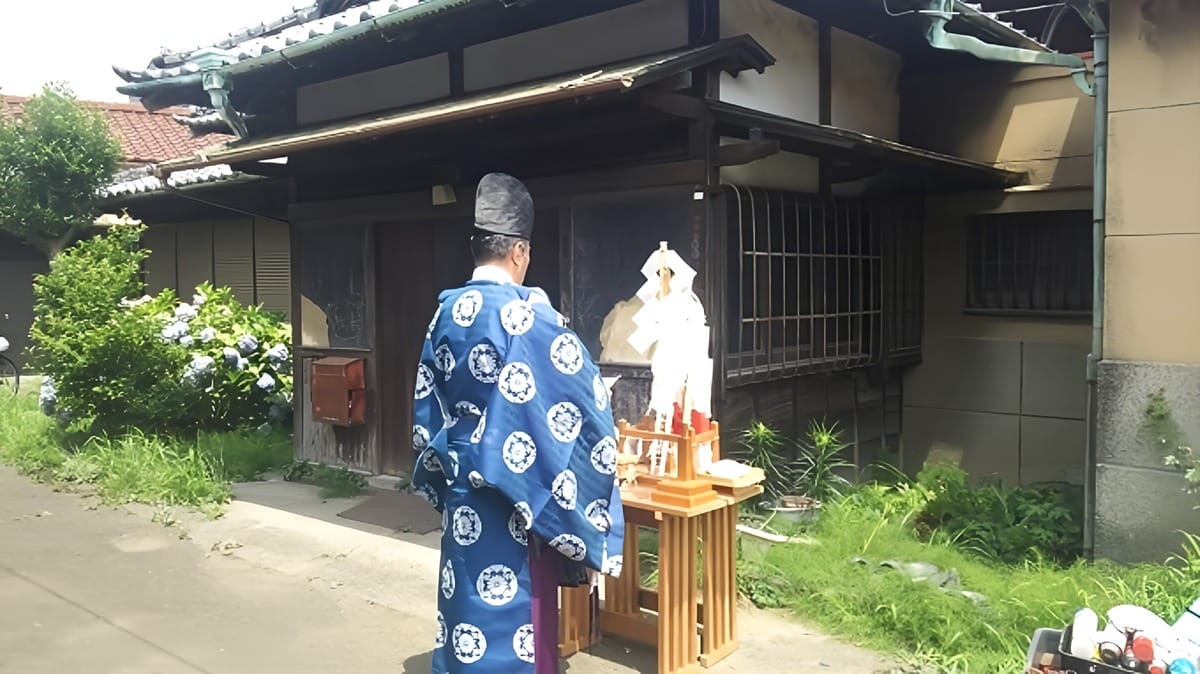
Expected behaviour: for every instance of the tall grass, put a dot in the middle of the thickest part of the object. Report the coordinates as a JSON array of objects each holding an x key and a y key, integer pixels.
[
  {"x": 134, "y": 466},
  {"x": 885, "y": 610}
]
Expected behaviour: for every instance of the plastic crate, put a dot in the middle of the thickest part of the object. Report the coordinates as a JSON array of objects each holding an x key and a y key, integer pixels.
[{"x": 1079, "y": 665}]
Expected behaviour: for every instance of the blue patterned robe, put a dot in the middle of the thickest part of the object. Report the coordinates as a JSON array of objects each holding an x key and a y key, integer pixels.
[{"x": 516, "y": 436}]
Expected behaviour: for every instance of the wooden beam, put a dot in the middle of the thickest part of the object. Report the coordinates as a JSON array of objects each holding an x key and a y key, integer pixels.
[
  {"x": 679, "y": 105},
  {"x": 736, "y": 154},
  {"x": 825, "y": 98}
]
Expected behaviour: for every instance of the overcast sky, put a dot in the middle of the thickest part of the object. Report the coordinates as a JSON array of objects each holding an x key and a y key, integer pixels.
[{"x": 78, "y": 41}]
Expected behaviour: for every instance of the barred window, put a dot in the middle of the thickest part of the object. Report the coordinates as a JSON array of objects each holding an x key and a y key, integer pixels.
[
  {"x": 810, "y": 280},
  {"x": 1038, "y": 263}
]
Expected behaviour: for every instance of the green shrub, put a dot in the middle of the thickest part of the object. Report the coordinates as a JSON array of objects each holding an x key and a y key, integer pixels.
[
  {"x": 1008, "y": 524},
  {"x": 243, "y": 456},
  {"x": 154, "y": 363}
]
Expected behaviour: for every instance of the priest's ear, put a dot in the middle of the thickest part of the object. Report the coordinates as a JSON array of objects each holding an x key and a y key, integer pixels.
[{"x": 520, "y": 257}]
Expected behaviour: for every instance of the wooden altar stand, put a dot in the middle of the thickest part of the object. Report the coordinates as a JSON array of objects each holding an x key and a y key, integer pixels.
[{"x": 692, "y": 616}]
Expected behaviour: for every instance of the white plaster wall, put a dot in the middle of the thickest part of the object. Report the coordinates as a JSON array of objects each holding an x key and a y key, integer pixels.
[
  {"x": 866, "y": 86},
  {"x": 387, "y": 88},
  {"x": 791, "y": 87},
  {"x": 643, "y": 28}
]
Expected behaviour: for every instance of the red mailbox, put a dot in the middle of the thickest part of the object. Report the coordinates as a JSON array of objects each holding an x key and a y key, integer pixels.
[{"x": 338, "y": 391}]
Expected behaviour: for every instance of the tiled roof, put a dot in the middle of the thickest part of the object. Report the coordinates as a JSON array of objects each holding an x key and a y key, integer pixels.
[
  {"x": 145, "y": 137},
  {"x": 301, "y": 25},
  {"x": 142, "y": 180}
]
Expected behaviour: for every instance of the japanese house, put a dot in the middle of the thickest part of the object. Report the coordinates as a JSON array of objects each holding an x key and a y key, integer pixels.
[{"x": 890, "y": 206}]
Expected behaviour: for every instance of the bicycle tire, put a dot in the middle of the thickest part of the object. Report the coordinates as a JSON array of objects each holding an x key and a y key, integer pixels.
[{"x": 10, "y": 376}]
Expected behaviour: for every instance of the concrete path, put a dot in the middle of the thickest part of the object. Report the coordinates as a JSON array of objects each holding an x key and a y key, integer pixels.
[{"x": 98, "y": 590}]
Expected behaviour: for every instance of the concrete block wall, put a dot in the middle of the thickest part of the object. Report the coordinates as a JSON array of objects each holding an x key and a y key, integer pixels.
[{"x": 1013, "y": 410}]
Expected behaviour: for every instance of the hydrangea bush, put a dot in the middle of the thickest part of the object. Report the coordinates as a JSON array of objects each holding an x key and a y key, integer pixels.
[{"x": 118, "y": 358}]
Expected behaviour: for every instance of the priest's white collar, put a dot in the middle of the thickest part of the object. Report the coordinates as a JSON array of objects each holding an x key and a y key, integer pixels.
[{"x": 493, "y": 274}]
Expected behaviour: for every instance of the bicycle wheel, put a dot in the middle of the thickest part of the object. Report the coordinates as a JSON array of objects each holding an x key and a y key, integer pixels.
[{"x": 10, "y": 377}]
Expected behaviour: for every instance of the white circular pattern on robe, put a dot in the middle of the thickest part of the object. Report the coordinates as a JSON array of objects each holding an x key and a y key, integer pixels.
[
  {"x": 523, "y": 643},
  {"x": 467, "y": 410},
  {"x": 466, "y": 308},
  {"x": 517, "y": 317},
  {"x": 484, "y": 363},
  {"x": 526, "y": 514},
  {"x": 420, "y": 438},
  {"x": 516, "y": 527},
  {"x": 424, "y": 382},
  {"x": 443, "y": 357},
  {"x": 448, "y": 580},
  {"x": 477, "y": 434},
  {"x": 477, "y": 480},
  {"x": 567, "y": 354},
  {"x": 570, "y": 546},
  {"x": 519, "y": 452},
  {"x": 467, "y": 525},
  {"x": 565, "y": 490},
  {"x": 428, "y": 493},
  {"x": 440, "y": 640},
  {"x": 497, "y": 585},
  {"x": 469, "y": 643},
  {"x": 604, "y": 456},
  {"x": 516, "y": 383},
  {"x": 613, "y": 565},
  {"x": 430, "y": 461},
  {"x": 600, "y": 391},
  {"x": 597, "y": 514},
  {"x": 565, "y": 421}
]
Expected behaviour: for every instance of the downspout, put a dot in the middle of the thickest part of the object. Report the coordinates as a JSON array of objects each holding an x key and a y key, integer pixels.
[
  {"x": 218, "y": 85},
  {"x": 1088, "y": 12},
  {"x": 938, "y": 13}
]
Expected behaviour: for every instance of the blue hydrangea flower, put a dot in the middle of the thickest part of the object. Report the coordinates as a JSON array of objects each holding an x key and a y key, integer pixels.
[
  {"x": 48, "y": 397},
  {"x": 196, "y": 370},
  {"x": 278, "y": 413},
  {"x": 199, "y": 299},
  {"x": 248, "y": 344},
  {"x": 278, "y": 354},
  {"x": 186, "y": 340},
  {"x": 185, "y": 312},
  {"x": 231, "y": 356},
  {"x": 174, "y": 331},
  {"x": 207, "y": 335},
  {"x": 266, "y": 383},
  {"x": 242, "y": 363}
]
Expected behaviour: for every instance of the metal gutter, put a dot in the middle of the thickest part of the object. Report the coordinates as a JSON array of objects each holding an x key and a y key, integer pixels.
[
  {"x": 939, "y": 13},
  {"x": 993, "y": 27},
  {"x": 285, "y": 56}
]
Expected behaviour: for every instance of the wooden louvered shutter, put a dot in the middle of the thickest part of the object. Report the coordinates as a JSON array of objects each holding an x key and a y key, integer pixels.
[
  {"x": 233, "y": 257},
  {"x": 195, "y": 259},
  {"x": 160, "y": 266},
  {"x": 272, "y": 265}
]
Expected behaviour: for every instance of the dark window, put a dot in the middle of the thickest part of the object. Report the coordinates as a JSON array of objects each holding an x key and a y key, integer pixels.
[
  {"x": 811, "y": 281},
  {"x": 333, "y": 280},
  {"x": 1030, "y": 262}
]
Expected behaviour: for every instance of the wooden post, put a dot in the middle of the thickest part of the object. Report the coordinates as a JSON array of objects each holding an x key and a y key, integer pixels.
[
  {"x": 677, "y": 642},
  {"x": 719, "y": 531}
]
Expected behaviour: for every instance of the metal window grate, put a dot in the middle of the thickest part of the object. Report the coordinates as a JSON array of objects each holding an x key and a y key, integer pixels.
[
  {"x": 807, "y": 285},
  {"x": 1031, "y": 263}
]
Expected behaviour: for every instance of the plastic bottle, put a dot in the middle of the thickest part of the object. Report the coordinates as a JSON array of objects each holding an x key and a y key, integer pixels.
[
  {"x": 1182, "y": 666},
  {"x": 1083, "y": 633}
]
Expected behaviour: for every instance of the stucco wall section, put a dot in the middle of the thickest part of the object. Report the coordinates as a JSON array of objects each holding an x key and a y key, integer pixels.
[
  {"x": 1005, "y": 394},
  {"x": 1133, "y": 488},
  {"x": 1154, "y": 52},
  {"x": 1031, "y": 119},
  {"x": 1152, "y": 310},
  {"x": 791, "y": 87},
  {"x": 866, "y": 86}
]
